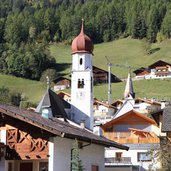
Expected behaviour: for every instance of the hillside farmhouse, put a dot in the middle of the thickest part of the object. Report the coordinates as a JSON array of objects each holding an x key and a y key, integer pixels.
[
  {"x": 101, "y": 76},
  {"x": 157, "y": 70},
  {"x": 138, "y": 132},
  {"x": 61, "y": 83}
]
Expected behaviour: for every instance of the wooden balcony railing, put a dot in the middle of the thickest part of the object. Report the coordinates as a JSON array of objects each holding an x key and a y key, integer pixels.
[
  {"x": 128, "y": 138},
  {"x": 114, "y": 160}
]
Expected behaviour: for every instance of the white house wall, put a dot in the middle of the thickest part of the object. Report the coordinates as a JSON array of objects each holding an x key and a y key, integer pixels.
[
  {"x": 101, "y": 110},
  {"x": 133, "y": 154},
  {"x": 60, "y": 155},
  {"x": 3, "y": 164},
  {"x": 92, "y": 155}
]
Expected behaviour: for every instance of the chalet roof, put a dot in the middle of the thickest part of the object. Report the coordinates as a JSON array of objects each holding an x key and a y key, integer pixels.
[
  {"x": 149, "y": 101},
  {"x": 56, "y": 103},
  {"x": 140, "y": 70},
  {"x": 115, "y": 120},
  {"x": 60, "y": 78},
  {"x": 63, "y": 93},
  {"x": 159, "y": 63},
  {"x": 97, "y": 70},
  {"x": 103, "y": 103},
  {"x": 54, "y": 126},
  {"x": 166, "y": 123}
]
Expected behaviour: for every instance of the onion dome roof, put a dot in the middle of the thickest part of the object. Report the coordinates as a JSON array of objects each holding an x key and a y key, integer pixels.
[{"x": 82, "y": 43}]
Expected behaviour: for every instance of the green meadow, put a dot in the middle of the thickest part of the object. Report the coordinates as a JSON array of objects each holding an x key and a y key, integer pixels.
[{"x": 121, "y": 54}]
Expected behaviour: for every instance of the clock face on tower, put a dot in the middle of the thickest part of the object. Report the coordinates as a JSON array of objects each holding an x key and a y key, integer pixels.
[{"x": 81, "y": 95}]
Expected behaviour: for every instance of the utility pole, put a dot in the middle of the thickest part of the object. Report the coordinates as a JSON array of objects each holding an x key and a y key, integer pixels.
[
  {"x": 109, "y": 80},
  {"x": 109, "y": 83}
]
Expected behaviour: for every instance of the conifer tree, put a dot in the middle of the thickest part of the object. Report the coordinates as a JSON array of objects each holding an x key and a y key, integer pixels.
[{"x": 76, "y": 163}]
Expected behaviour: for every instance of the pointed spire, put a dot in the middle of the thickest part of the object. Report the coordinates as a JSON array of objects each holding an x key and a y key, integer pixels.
[
  {"x": 82, "y": 26},
  {"x": 129, "y": 91}
]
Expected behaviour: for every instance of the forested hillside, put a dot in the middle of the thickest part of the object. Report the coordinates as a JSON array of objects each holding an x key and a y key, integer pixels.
[{"x": 28, "y": 26}]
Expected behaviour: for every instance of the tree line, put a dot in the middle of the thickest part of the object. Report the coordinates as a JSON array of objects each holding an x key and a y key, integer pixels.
[{"x": 27, "y": 26}]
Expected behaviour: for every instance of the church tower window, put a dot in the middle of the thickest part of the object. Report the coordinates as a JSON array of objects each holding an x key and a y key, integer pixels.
[
  {"x": 80, "y": 83},
  {"x": 81, "y": 61}
]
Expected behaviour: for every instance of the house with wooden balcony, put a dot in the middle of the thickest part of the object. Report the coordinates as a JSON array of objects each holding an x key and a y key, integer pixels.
[
  {"x": 137, "y": 131},
  {"x": 157, "y": 70},
  {"x": 43, "y": 139}
]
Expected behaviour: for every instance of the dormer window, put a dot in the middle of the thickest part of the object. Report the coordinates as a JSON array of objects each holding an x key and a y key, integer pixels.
[
  {"x": 81, "y": 61},
  {"x": 46, "y": 113}
]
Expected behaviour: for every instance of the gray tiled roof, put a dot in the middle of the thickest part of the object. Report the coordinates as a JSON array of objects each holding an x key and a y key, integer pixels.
[
  {"x": 166, "y": 124},
  {"x": 55, "y": 126}
]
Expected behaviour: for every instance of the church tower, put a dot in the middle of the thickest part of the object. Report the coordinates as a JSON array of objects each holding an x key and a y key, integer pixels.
[{"x": 82, "y": 79}]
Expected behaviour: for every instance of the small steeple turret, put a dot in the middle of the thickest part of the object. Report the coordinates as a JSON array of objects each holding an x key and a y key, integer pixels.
[{"x": 129, "y": 91}]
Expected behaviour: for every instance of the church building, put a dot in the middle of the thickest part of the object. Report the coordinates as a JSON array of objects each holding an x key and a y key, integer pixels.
[{"x": 43, "y": 139}]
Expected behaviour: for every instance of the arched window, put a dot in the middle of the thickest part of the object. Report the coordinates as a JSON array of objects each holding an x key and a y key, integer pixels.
[{"x": 81, "y": 61}]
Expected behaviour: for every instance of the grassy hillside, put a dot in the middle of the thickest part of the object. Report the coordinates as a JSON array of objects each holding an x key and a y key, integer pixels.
[
  {"x": 158, "y": 89},
  {"x": 129, "y": 52},
  {"x": 123, "y": 51},
  {"x": 31, "y": 90},
  {"x": 34, "y": 90}
]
